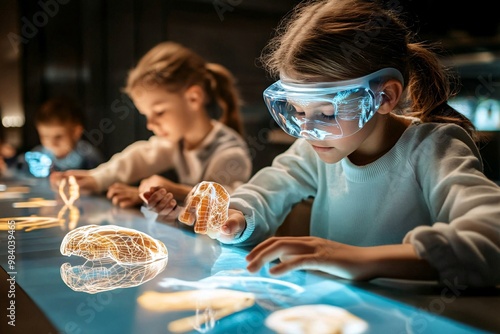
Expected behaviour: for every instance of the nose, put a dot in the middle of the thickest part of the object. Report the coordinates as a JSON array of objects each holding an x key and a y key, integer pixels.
[{"x": 310, "y": 134}]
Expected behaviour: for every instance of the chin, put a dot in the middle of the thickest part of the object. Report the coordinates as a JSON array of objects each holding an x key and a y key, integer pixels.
[{"x": 329, "y": 159}]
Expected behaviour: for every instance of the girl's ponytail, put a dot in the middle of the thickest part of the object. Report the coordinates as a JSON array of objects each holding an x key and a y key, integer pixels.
[
  {"x": 222, "y": 88},
  {"x": 429, "y": 89}
]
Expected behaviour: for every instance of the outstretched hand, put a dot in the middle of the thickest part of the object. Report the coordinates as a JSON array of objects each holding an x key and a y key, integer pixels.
[
  {"x": 123, "y": 195},
  {"x": 162, "y": 202},
  {"x": 311, "y": 253}
]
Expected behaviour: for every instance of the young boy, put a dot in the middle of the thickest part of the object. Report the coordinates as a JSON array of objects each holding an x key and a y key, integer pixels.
[{"x": 60, "y": 126}]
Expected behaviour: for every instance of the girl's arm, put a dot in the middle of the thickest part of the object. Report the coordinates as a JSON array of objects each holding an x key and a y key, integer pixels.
[
  {"x": 269, "y": 196},
  {"x": 463, "y": 244},
  {"x": 345, "y": 261},
  {"x": 137, "y": 161},
  {"x": 231, "y": 168}
]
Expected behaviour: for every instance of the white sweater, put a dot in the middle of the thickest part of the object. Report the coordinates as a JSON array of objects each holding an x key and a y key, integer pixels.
[
  {"x": 222, "y": 157},
  {"x": 428, "y": 190}
]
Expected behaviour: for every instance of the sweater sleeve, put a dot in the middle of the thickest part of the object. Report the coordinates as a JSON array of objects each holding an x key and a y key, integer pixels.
[
  {"x": 137, "y": 161},
  {"x": 464, "y": 242},
  {"x": 231, "y": 168},
  {"x": 272, "y": 192}
]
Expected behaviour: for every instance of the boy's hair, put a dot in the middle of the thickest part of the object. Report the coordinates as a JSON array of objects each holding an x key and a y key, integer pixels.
[
  {"x": 59, "y": 110},
  {"x": 345, "y": 39},
  {"x": 175, "y": 67}
]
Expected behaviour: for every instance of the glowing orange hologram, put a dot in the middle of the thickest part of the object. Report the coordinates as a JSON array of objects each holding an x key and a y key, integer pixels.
[
  {"x": 210, "y": 305},
  {"x": 111, "y": 242},
  {"x": 29, "y": 223},
  {"x": 36, "y": 202},
  {"x": 207, "y": 206},
  {"x": 94, "y": 277},
  {"x": 315, "y": 319},
  {"x": 73, "y": 190}
]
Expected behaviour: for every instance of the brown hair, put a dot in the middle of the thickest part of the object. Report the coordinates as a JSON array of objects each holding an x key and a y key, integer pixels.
[
  {"x": 345, "y": 39},
  {"x": 59, "y": 110},
  {"x": 175, "y": 67}
]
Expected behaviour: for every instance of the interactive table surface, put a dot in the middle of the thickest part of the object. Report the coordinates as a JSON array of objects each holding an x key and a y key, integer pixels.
[{"x": 202, "y": 286}]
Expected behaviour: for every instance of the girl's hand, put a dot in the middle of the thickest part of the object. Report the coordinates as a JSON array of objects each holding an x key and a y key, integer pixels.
[
  {"x": 162, "y": 202},
  {"x": 155, "y": 181},
  {"x": 313, "y": 253},
  {"x": 233, "y": 227},
  {"x": 123, "y": 195}
]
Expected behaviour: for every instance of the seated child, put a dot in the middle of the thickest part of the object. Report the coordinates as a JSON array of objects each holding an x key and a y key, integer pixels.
[
  {"x": 59, "y": 123},
  {"x": 7, "y": 152},
  {"x": 193, "y": 108},
  {"x": 394, "y": 171}
]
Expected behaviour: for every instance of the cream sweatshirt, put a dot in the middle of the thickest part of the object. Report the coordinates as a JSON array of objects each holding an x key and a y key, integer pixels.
[
  {"x": 428, "y": 190},
  {"x": 222, "y": 157}
]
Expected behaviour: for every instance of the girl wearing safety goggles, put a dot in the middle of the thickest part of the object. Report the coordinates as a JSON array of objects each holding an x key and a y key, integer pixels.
[{"x": 394, "y": 171}]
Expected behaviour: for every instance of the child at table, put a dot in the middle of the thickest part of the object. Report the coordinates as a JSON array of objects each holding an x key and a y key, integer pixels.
[
  {"x": 7, "y": 152},
  {"x": 59, "y": 123},
  {"x": 394, "y": 171},
  {"x": 181, "y": 95}
]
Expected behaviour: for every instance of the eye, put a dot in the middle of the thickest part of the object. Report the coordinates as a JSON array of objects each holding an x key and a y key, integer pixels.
[
  {"x": 328, "y": 117},
  {"x": 159, "y": 113},
  {"x": 289, "y": 107}
]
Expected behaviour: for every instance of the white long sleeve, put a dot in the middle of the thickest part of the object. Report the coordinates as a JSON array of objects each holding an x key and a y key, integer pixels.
[
  {"x": 137, "y": 161},
  {"x": 222, "y": 157}
]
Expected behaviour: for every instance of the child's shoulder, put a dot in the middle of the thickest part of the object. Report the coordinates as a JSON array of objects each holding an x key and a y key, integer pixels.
[
  {"x": 439, "y": 137},
  {"x": 437, "y": 131}
]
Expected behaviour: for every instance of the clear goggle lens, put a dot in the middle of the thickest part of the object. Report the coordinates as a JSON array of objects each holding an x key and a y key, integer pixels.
[{"x": 326, "y": 111}]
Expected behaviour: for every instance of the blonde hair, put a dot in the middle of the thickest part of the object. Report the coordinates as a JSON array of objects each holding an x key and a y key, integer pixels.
[
  {"x": 175, "y": 67},
  {"x": 345, "y": 39}
]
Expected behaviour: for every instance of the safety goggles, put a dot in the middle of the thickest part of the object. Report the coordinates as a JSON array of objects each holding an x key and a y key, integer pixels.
[{"x": 327, "y": 110}]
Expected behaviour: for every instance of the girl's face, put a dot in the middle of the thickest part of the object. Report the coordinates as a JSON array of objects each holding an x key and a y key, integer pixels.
[
  {"x": 362, "y": 143},
  {"x": 168, "y": 114}
]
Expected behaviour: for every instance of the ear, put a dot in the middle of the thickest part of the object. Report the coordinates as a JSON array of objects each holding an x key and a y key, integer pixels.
[
  {"x": 195, "y": 97},
  {"x": 77, "y": 132},
  {"x": 392, "y": 91}
]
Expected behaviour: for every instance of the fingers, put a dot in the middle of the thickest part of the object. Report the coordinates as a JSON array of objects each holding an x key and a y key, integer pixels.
[
  {"x": 233, "y": 227},
  {"x": 123, "y": 195},
  {"x": 161, "y": 201},
  {"x": 273, "y": 249},
  {"x": 152, "y": 181},
  {"x": 291, "y": 263}
]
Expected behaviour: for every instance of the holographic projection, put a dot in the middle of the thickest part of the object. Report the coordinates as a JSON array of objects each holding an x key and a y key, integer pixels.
[
  {"x": 117, "y": 257},
  {"x": 39, "y": 164},
  {"x": 207, "y": 206},
  {"x": 216, "y": 297},
  {"x": 31, "y": 223},
  {"x": 209, "y": 305},
  {"x": 315, "y": 319}
]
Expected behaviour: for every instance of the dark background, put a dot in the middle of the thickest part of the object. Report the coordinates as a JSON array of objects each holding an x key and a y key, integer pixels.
[{"x": 86, "y": 48}]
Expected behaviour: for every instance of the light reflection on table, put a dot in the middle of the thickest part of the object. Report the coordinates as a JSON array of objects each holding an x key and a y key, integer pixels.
[{"x": 195, "y": 262}]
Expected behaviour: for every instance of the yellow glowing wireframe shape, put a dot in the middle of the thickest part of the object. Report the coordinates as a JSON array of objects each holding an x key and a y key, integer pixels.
[
  {"x": 209, "y": 305},
  {"x": 315, "y": 319},
  {"x": 207, "y": 208},
  {"x": 29, "y": 223},
  {"x": 73, "y": 190},
  {"x": 94, "y": 276},
  {"x": 36, "y": 202},
  {"x": 111, "y": 242}
]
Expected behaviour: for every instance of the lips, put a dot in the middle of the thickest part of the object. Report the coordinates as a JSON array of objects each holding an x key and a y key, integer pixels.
[{"x": 321, "y": 148}]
